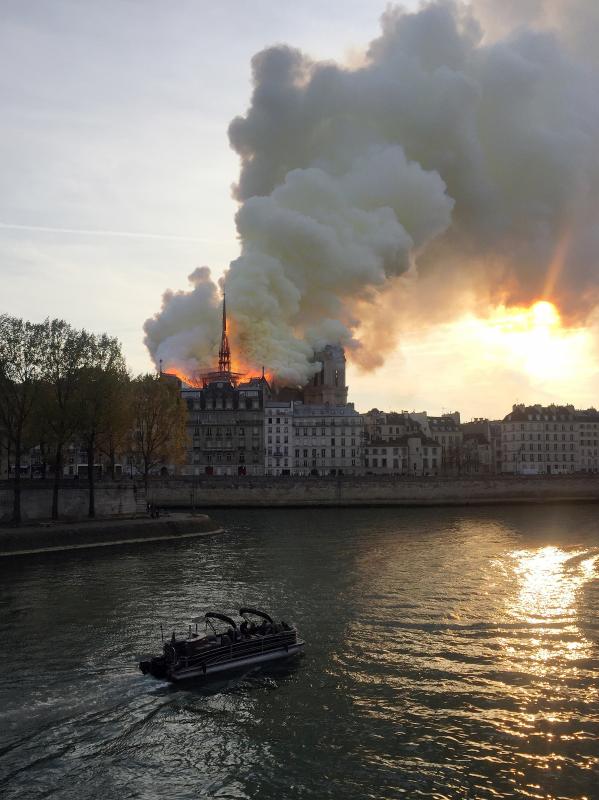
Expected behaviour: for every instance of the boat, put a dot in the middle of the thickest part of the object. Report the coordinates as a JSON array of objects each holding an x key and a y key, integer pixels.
[{"x": 255, "y": 641}]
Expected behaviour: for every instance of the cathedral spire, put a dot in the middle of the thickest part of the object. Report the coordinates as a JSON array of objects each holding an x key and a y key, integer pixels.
[{"x": 224, "y": 354}]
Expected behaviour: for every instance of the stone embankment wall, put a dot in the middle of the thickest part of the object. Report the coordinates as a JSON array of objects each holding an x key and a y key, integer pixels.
[
  {"x": 112, "y": 499},
  {"x": 370, "y": 491},
  {"x": 127, "y": 499},
  {"x": 53, "y": 537}
]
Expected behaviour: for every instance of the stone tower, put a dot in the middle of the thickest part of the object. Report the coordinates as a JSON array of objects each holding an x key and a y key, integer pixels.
[{"x": 328, "y": 387}]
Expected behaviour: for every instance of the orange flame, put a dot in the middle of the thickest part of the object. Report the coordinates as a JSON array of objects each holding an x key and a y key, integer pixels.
[{"x": 196, "y": 379}]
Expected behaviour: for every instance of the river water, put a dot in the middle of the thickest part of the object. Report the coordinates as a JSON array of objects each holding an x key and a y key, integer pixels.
[{"x": 449, "y": 654}]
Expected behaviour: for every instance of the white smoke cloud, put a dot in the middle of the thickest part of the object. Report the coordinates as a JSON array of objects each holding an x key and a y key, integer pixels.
[
  {"x": 185, "y": 333},
  {"x": 466, "y": 143}
]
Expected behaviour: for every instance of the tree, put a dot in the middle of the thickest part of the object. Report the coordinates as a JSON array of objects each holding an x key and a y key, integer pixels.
[
  {"x": 67, "y": 352},
  {"x": 114, "y": 436},
  {"x": 159, "y": 424},
  {"x": 21, "y": 359},
  {"x": 101, "y": 372}
]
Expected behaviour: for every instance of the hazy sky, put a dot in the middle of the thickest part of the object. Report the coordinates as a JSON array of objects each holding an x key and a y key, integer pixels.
[{"x": 116, "y": 172}]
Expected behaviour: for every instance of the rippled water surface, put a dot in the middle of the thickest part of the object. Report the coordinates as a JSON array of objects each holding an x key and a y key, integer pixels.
[{"x": 449, "y": 654}]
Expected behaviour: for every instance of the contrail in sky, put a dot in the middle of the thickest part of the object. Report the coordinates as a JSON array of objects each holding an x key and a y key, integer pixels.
[{"x": 91, "y": 232}]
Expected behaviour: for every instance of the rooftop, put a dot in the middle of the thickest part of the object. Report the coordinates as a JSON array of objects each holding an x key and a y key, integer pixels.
[{"x": 552, "y": 413}]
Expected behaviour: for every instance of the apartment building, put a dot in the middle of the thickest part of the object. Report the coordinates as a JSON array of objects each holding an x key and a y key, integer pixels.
[
  {"x": 550, "y": 440},
  {"x": 410, "y": 454},
  {"x": 226, "y": 426},
  {"x": 303, "y": 439}
]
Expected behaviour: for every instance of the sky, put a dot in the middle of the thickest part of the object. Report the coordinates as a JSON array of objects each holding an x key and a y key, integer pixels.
[{"x": 116, "y": 175}]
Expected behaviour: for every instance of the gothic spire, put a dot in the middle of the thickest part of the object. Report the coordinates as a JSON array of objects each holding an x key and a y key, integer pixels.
[{"x": 224, "y": 354}]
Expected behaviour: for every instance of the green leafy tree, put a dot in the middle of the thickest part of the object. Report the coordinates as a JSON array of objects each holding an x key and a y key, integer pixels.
[{"x": 21, "y": 360}]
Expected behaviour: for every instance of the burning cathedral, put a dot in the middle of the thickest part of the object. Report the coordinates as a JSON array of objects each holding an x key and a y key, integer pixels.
[{"x": 235, "y": 427}]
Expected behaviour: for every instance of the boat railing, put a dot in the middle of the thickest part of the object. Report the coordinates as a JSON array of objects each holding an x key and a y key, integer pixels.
[{"x": 253, "y": 646}]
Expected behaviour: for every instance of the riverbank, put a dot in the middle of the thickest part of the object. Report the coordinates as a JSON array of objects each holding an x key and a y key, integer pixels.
[
  {"x": 113, "y": 499},
  {"x": 128, "y": 499},
  {"x": 50, "y": 537},
  {"x": 296, "y": 492}
]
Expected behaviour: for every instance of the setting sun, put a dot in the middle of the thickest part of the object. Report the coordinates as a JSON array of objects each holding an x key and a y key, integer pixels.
[
  {"x": 544, "y": 314},
  {"x": 532, "y": 340}
]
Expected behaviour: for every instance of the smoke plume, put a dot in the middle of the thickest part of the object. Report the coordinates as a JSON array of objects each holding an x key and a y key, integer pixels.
[{"x": 462, "y": 151}]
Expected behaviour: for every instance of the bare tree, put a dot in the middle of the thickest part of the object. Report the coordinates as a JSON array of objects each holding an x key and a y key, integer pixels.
[
  {"x": 114, "y": 436},
  {"x": 103, "y": 367},
  {"x": 21, "y": 359},
  {"x": 67, "y": 352},
  {"x": 159, "y": 424}
]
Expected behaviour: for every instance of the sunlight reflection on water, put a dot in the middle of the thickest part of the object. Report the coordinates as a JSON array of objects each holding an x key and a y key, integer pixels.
[{"x": 449, "y": 654}]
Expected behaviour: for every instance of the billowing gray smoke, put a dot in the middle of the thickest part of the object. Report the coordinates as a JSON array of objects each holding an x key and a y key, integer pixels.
[{"x": 454, "y": 152}]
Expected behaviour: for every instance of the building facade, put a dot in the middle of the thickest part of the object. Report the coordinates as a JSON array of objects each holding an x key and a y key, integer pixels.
[
  {"x": 540, "y": 440},
  {"x": 446, "y": 431},
  {"x": 278, "y": 437},
  {"x": 302, "y": 439},
  {"x": 477, "y": 451},
  {"x": 410, "y": 454},
  {"x": 226, "y": 427},
  {"x": 419, "y": 444}
]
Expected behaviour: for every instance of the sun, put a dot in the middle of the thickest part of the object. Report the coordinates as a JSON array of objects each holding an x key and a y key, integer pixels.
[
  {"x": 531, "y": 339},
  {"x": 544, "y": 314}
]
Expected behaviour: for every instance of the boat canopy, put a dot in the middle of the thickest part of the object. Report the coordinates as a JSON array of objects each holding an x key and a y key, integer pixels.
[
  {"x": 222, "y": 617},
  {"x": 256, "y": 612}
]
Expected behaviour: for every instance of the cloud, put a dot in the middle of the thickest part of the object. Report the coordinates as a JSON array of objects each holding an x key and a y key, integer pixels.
[{"x": 457, "y": 152}]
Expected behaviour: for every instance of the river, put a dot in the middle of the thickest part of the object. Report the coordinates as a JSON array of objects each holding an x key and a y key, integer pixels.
[{"x": 450, "y": 653}]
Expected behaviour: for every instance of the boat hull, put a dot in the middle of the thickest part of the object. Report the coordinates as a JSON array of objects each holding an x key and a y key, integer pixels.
[
  {"x": 220, "y": 662},
  {"x": 236, "y": 664}
]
